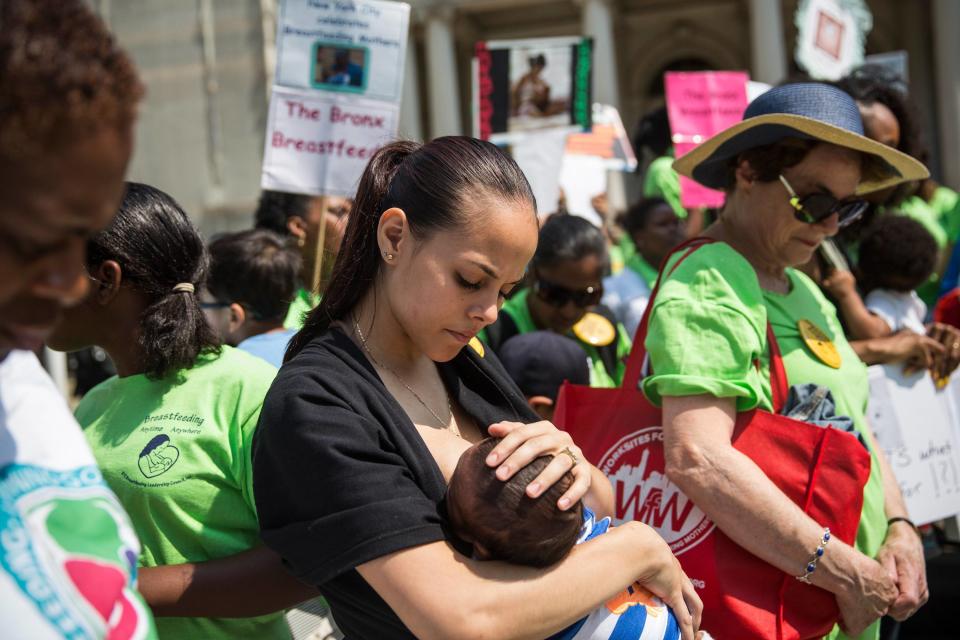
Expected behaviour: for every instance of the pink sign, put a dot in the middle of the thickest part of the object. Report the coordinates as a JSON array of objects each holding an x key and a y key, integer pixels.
[{"x": 700, "y": 104}]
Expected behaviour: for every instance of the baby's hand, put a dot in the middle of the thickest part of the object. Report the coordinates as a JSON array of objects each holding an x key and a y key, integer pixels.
[{"x": 840, "y": 284}]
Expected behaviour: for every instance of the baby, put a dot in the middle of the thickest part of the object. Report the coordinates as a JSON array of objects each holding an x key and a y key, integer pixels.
[
  {"x": 897, "y": 255},
  {"x": 503, "y": 523}
]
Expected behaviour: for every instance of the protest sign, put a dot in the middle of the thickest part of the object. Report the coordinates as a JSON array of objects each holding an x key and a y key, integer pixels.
[
  {"x": 916, "y": 426},
  {"x": 896, "y": 61},
  {"x": 590, "y": 156},
  {"x": 336, "y": 93},
  {"x": 539, "y": 155},
  {"x": 700, "y": 104},
  {"x": 528, "y": 85},
  {"x": 831, "y": 35},
  {"x": 321, "y": 146}
]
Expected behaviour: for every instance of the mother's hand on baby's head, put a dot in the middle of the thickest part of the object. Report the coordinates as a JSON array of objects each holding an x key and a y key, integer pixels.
[{"x": 523, "y": 443}]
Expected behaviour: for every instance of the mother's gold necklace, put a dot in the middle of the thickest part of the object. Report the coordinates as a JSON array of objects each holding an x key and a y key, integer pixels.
[{"x": 444, "y": 424}]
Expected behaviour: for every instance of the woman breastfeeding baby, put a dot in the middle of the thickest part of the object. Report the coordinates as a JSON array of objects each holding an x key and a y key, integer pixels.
[{"x": 384, "y": 389}]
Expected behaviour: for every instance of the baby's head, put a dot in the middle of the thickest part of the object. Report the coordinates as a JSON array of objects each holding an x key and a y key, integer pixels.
[
  {"x": 896, "y": 252},
  {"x": 501, "y": 521}
]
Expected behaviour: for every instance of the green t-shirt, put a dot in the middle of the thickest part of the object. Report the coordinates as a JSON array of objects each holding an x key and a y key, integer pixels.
[
  {"x": 638, "y": 264},
  {"x": 661, "y": 181},
  {"x": 177, "y": 452},
  {"x": 516, "y": 307},
  {"x": 921, "y": 211},
  {"x": 946, "y": 207},
  {"x": 301, "y": 305},
  {"x": 708, "y": 327}
]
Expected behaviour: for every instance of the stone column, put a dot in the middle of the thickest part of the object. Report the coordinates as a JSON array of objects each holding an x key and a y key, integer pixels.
[
  {"x": 411, "y": 125},
  {"x": 598, "y": 24},
  {"x": 768, "y": 51},
  {"x": 946, "y": 20},
  {"x": 442, "y": 83}
]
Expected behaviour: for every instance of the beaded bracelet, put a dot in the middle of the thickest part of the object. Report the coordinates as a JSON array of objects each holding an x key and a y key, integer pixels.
[{"x": 815, "y": 558}]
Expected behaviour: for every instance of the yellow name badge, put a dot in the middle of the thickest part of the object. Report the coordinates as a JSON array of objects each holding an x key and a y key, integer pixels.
[
  {"x": 477, "y": 345},
  {"x": 819, "y": 344},
  {"x": 595, "y": 330}
]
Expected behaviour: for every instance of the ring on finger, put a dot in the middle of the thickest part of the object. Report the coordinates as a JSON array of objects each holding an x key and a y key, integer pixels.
[{"x": 573, "y": 457}]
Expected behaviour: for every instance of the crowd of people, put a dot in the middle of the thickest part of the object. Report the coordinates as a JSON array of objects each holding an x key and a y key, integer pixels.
[{"x": 354, "y": 399}]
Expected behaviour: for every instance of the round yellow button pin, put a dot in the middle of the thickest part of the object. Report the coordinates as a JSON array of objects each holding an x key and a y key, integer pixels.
[
  {"x": 477, "y": 345},
  {"x": 595, "y": 330},
  {"x": 819, "y": 344}
]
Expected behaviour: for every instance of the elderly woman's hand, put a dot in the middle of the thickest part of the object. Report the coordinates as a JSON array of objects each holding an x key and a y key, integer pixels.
[
  {"x": 902, "y": 556},
  {"x": 868, "y": 597},
  {"x": 522, "y": 443},
  {"x": 946, "y": 362}
]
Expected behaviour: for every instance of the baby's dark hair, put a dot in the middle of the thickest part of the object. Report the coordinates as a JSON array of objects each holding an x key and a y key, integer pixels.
[
  {"x": 500, "y": 517},
  {"x": 896, "y": 252}
]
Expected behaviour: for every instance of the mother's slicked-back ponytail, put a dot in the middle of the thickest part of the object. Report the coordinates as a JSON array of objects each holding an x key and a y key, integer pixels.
[
  {"x": 158, "y": 248},
  {"x": 431, "y": 183},
  {"x": 359, "y": 258}
]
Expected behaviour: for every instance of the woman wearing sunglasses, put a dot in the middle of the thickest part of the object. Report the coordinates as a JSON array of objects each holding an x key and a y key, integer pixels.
[
  {"x": 793, "y": 171},
  {"x": 567, "y": 285}
]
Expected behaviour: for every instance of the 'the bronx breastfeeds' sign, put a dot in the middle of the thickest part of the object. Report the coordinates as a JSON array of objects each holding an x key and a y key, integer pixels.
[{"x": 336, "y": 97}]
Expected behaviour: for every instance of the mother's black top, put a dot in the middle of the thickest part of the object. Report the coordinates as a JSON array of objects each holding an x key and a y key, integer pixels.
[{"x": 342, "y": 477}]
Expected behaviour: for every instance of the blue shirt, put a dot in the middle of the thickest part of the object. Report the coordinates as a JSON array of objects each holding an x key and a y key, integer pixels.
[
  {"x": 634, "y": 614},
  {"x": 269, "y": 346}
]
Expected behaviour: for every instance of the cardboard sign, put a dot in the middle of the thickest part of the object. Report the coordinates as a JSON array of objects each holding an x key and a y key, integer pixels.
[
  {"x": 916, "y": 426},
  {"x": 336, "y": 96},
  {"x": 539, "y": 154},
  {"x": 699, "y": 105},
  {"x": 831, "y": 36},
  {"x": 606, "y": 139},
  {"x": 530, "y": 85},
  {"x": 320, "y": 145}
]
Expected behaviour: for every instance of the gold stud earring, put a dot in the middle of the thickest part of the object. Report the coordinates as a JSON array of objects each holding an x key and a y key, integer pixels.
[{"x": 388, "y": 255}]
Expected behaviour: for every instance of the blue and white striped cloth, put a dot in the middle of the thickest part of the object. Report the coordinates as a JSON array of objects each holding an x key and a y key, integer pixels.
[{"x": 633, "y": 614}]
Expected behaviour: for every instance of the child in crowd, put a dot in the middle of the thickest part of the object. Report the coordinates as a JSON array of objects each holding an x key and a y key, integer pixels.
[
  {"x": 253, "y": 278},
  {"x": 539, "y": 362},
  {"x": 897, "y": 255},
  {"x": 172, "y": 431},
  {"x": 502, "y": 522},
  {"x": 303, "y": 218}
]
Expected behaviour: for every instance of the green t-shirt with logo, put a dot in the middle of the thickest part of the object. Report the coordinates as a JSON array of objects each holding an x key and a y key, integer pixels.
[
  {"x": 708, "y": 327},
  {"x": 516, "y": 307},
  {"x": 177, "y": 453},
  {"x": 302, "y": 304}
]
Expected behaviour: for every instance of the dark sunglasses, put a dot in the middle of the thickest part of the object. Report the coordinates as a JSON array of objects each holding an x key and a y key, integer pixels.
[
  {"x": 816, "y": 207},
  {"x": 557, "y": 296}
]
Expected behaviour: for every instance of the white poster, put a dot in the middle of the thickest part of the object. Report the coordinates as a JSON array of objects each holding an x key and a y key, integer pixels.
[
  {"x": 336, "y": 96},
  {"x": 915, "y": 424},
  {"x": 831, "y": 35},
  {"x": 350, "y": 46},
  {"x": 320, "y": 145},
  {"x": 539, "y": 154}
]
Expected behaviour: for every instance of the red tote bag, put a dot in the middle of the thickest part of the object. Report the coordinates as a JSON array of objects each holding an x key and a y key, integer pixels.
[{"x": 821, "y": 470}]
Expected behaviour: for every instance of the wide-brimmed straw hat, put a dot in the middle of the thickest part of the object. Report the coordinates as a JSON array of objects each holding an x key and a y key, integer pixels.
[{"x": 811, "y": 111}]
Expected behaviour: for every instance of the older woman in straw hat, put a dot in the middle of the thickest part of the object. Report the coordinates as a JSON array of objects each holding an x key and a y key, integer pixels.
[{"x": 793, "y": 171}]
